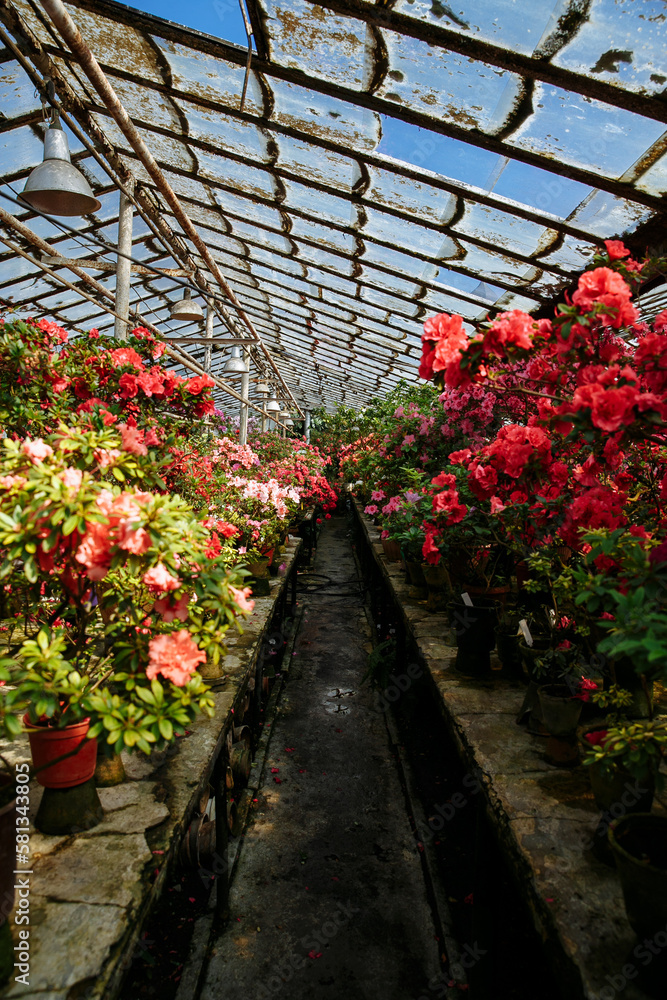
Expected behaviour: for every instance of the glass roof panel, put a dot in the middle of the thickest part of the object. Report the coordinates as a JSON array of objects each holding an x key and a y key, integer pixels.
[
  {"x": 200, "y": 74},
  {"x": 621, "y": 43},
  {"x": 448, "y": 85},
  {"x": 245, "y": 208},
  {"x": 227, "y": 133},
  {"x": 316, "y": 163},
  {"x": 331, "y": 47},
  {"x": 16, "y": 95},
  {"x": 515, "y": 26},
  {"x": 324, "y": 116},
  {"x": 585, "y": 132},
  {"x": 419, "y": 199}
]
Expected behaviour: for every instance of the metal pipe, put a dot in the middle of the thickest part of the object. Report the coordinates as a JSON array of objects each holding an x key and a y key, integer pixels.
[
  {"x": 123, "y": 273},
  {"x": 208, "y": 352},
  {"x": 306, "y": 427},
  {"x": 71, "y": 34},
  {"x": 245, "y": 388}
]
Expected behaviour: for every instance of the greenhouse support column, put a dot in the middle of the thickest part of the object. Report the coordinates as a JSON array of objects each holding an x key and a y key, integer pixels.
[
  {"x": 306, "y": 426},
  {"x": 208, "y": 351},
  {"x": 265, "y": 420},
  {"x": 245, "y": 389},
  {"x": 123, "y": 265}
]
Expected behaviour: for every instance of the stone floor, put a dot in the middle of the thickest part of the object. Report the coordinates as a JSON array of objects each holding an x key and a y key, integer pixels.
[{"x": 329, "y": 900}]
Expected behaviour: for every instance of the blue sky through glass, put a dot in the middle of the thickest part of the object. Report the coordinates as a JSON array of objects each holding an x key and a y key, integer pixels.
[{"x": 221, "y": 18}]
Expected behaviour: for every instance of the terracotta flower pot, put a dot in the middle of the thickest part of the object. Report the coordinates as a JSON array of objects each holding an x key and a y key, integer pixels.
[
  {"x": 259, "y": 568},
  {"x": 392, "y": 549},
  {"x": 47, "y": 744}
]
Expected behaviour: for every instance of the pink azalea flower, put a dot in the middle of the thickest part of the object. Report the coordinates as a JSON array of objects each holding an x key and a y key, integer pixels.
[
  {"x": 135, "y": 540},
  {"x": 132, "y": 440},
  {"x": 36, "y": 450},
  {"x": 240, "y": 598},
  {"x": 378, "y": 495},
  {"x": 371, "y": 509},
  {"x": 94, "y": 552},
  {"x": 177, "y": 609},
  {"x": 72, "y": 478},
  {"x": 159, "y": 578},
  {"x": 9, "y": 482},
  {"x": 175, "y": 657}
]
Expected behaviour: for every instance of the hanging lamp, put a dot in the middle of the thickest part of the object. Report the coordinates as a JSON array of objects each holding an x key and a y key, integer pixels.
[
  {"x": 273, "y": 406},
  {"x": 186, "y": 310},
  {"x": 235, "y": 365},
  {"x": 284, "y": 415},
  {"x": 262, "y": 388},
  {"x": 56, "y": 186}
]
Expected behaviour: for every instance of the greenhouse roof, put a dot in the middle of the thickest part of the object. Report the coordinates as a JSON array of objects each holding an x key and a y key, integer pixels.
[{"x": 388, "y": 162}]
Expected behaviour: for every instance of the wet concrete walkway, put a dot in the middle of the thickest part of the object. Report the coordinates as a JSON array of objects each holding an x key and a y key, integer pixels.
[{"x": 329, "y": 901}]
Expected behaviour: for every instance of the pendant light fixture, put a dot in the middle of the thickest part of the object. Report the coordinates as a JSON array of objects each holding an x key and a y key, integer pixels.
[
  {"x": 273, "y": 406},
  {"x": 263, "y": 388},
  {"x": 56, "y": 186},
  {"x": 235, "y": 365},
  {"x": 284, "y": 415},
  {"x": 186, "y": 310}
]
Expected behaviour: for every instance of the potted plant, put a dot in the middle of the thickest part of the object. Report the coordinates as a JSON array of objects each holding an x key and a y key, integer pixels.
[{"x": 80, "y": 546}]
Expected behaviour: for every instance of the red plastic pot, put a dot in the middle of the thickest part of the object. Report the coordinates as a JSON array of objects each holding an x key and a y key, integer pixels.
[{"x": 47, "y": 744}]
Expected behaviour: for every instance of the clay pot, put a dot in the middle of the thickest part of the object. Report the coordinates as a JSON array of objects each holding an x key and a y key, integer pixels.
[
  {"x": 392, "y": 549},
  {"x": 48, "y": 744}
]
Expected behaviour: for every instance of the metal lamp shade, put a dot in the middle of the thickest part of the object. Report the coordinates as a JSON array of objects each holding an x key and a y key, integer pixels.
[
  {"x": 186, "y": 310},
  {"x": 263, "y": 389},
  {"x": 235, "y": 364},
  {"x": 273, "y": 406},
  {"x": 284, "y": 415},
  {"x": 289, "y": 422},
  {"x": 56, "y": 186}
]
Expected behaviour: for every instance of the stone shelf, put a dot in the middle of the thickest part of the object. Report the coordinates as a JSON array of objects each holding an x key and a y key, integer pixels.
[
  {"x": 541, "y": 816},
  {"x": 91, "y": 893}
]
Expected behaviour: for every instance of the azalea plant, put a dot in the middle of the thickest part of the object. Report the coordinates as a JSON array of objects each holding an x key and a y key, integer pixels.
[{"x": 123, "y": 596}]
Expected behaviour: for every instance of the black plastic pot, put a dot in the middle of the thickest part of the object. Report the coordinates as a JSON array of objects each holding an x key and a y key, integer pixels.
[
  {"x": 509, "y": 654},
  {"x": 639, "y": 844},
  {"x": 475, "y": 635}
]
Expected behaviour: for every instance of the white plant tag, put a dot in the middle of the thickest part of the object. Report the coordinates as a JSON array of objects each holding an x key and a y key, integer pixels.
[
  {"x": 523, "y": 625},
  {"x": 466, "y": 599}
]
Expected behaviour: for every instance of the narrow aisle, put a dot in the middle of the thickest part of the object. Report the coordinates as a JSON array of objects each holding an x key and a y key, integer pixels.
[{"x": 328, "y": 902}]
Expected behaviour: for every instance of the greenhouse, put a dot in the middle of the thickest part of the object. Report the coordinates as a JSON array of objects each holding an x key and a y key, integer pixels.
[{"x": 333, "y": 500}]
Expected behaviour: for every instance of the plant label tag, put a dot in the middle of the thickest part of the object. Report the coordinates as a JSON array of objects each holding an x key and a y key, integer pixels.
[
  {"x": 523, "y": 625},
  {"x": 466, "y": 599}
]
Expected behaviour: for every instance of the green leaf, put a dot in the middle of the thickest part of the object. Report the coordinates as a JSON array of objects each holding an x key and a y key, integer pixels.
[{"x": 166, "y": 729}]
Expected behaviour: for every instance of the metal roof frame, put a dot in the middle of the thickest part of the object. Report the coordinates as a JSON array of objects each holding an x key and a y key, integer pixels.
[{"x": 325, "y": 252}]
